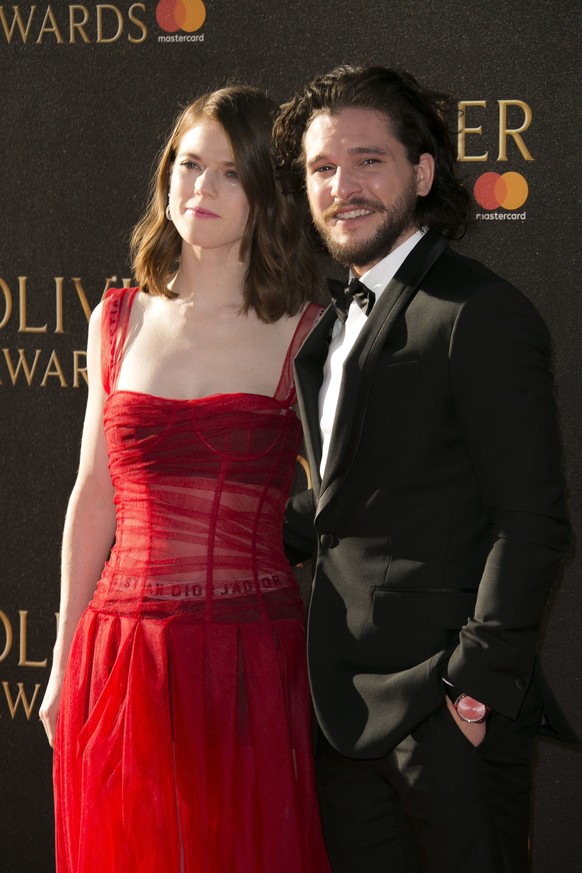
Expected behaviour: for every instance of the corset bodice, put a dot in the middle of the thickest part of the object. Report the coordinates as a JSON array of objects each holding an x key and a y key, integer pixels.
[{"x": 200, "y": 489}]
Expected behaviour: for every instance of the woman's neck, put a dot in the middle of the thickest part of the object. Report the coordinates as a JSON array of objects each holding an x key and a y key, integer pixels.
[{"x": 206, "y": 278}]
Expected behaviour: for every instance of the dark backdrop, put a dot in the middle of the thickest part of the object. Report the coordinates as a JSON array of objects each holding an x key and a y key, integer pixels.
[{"x": 84, "y": 109}]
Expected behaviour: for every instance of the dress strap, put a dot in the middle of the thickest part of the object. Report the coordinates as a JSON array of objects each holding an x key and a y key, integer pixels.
[
  {"x": 117, "y": 305},
  {"x": 286, "y": 387}
]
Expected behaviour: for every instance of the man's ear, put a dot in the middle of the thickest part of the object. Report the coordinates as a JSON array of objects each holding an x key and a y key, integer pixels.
[{"x": 424, "y": 174}]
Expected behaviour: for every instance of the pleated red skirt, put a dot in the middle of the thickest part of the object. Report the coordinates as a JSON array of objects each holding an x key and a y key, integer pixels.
[{"x": 184, "y": 747}]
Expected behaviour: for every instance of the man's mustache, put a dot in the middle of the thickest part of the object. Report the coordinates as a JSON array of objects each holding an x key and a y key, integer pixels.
[{"x": 362, "y": 202}]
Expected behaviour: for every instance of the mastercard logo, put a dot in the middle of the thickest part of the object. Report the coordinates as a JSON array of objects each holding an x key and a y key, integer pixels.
[
  {"x": 173, "y": 15},
  {"x": 508, "y": 190}
]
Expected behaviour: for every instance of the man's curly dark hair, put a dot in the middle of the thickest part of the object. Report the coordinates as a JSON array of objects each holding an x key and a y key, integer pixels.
[{"x": 422, "y": 120}]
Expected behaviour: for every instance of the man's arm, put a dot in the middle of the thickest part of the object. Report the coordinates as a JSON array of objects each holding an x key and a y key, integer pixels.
[
  {"x": 299, "y": 529},
  {"x": 502, "y": 390}
]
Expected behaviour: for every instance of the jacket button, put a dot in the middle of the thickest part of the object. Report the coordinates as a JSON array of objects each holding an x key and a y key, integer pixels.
[
  {"x": 328, "y": 541},
  {"x": 521, "y": 684}
]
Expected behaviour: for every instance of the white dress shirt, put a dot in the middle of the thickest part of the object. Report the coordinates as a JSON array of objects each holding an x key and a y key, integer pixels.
[{"x": 345, "y": 335}]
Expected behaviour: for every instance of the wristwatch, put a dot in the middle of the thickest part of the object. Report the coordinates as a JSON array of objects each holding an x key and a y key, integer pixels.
[{"x": 467, "y": 708}]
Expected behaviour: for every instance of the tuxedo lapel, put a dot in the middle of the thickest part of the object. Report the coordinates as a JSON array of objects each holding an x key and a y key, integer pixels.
[
  {"x": 360, "y": 363},
  {"x": 309, "y": 364}
]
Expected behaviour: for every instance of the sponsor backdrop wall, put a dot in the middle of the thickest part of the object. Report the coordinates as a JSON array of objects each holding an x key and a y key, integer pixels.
[{"x": 88, "y": 92}]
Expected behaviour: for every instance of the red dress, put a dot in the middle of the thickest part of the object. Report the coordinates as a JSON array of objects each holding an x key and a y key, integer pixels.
[{"x": 183, "y": 737}]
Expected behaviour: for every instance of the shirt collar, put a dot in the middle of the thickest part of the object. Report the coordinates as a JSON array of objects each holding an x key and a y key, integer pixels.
[{"x": 378, "y": 276}]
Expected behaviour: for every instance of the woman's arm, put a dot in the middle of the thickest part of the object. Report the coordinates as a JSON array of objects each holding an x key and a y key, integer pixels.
[{"x": 89, "y": 527}]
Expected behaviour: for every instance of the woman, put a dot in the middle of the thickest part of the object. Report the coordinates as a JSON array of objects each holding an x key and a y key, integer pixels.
[{"x": 182, "y": 741}]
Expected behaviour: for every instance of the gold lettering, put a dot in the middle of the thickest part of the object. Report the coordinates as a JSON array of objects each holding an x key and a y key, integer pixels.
[
  {"x": 16, "y": 22},
  {"x": 101, "y": 7},
  {"x": 78, "y": 25},
  {"x": 463, "y": 131},
  {"x": 139, "y": 23},
  {"x": 8, "y": 631},
  {"x": 13, "y": 704},
  {"x": 24, "y": 328},
  {"x": 53, "y": 28},
  {"x": 77, "y": 282},
  {"x": 23, "y": 660},
  {"x": 515, "y": 132},
  {"x": 59, "y": 304},
  {"x": 22, "y": 365},
  {"x": 78, "y": 370},
  {"x": 58, "y": 371},
  {"x": 8, "y": 300}
]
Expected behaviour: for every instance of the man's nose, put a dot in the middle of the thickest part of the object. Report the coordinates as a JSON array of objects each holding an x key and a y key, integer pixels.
[{"x": 345, "y": 183}]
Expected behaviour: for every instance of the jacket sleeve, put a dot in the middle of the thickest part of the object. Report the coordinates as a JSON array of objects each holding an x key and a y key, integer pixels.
[
  {"x": 299, "y": 535},
  {"x": 501, "y": 383}
]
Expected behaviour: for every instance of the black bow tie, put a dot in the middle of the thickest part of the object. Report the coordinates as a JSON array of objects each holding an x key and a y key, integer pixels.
[{"x": 342, "y": 296}]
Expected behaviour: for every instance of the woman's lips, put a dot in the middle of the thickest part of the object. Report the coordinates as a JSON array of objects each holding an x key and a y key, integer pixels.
[{"x": 200, "y": 212}]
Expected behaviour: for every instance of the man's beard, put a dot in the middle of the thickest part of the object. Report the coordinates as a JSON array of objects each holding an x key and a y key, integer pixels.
[{"x": 363, "y": 253}]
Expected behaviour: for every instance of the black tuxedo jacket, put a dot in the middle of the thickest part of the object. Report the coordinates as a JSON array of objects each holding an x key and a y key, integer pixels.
[{"x": 440, "y": 520}]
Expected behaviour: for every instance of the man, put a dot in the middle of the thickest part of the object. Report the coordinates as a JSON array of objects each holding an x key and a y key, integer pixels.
[{"x": 436, "y": 515}]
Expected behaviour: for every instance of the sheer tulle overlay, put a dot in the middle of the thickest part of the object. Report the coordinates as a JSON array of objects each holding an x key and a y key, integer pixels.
[{"x": 183, "y": 739}]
